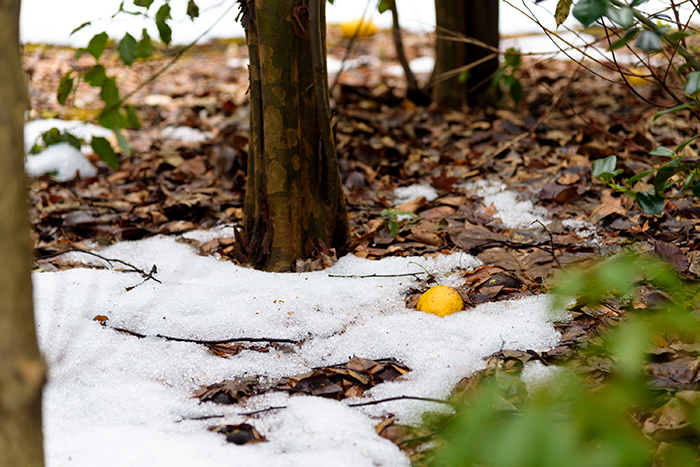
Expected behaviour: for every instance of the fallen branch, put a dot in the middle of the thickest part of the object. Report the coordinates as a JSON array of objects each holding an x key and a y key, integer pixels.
[
  {"x": 414, "y": 274},
  {"x": 207, "y": 342},
  {"x": 144, "y": 274},
  {"x": 362, "y": 404}
]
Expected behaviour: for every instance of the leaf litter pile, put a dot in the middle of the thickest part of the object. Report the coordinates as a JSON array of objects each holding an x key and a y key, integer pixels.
[{"x": 510, "y": 186}]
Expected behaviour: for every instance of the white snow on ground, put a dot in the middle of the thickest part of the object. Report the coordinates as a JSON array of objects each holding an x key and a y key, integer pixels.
[
  {"x": 186, "y": 134},
  {"x": 63, "y": 160},
  {"x": 512, "y": 211},
  {"x": 114, "y": 400},
  {"x": 405, "y": 194}
]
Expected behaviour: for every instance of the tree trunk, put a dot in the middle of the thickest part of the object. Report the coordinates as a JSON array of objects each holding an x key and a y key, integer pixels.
[
  {"x": 476, "y": 19},
  {"x": 294, "y": 198},
  {"x": 22, "y": 370}
]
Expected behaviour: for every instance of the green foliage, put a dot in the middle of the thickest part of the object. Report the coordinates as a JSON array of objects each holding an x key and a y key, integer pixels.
[
  {"x": 506, "y": 77},
  {"x": 97, "y": 45},
  {"x": 568, "y": 422},
  {"x": 55, "y": 136},
  {"x": 680, "y": 172},
  {"x": 115, "y": 116},
  {"x": 127, "y": 49},
  {"x": 103, "y": 149},
  {"x": 162, "y": 17},
  {"x": 394, "y": 221},
  {"x": 648, "y": 36},
  {"x": 65, "y": 87}
]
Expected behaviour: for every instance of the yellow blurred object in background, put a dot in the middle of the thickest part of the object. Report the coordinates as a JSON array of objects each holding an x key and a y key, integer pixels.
[
  {"x": 634, "y": 77},
  {"x": 348, "y": 28},
  {"x": 441, "y": 300}
]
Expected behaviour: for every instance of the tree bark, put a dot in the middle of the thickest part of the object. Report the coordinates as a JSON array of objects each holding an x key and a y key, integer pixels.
[
  {"x": 477, "y": 19},
  {"x": 22, "y": 369},
  {"x": 295, "y": 203}
]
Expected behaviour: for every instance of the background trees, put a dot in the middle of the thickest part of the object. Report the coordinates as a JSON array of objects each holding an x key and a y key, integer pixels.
[
  {"x": 21, "y": 367},
  {"x": 457, "y": 20}
]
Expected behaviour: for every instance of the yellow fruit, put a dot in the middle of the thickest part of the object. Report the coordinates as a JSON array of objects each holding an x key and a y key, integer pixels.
[
  {"x": 349, "y": 28},
  {"x": 441, "y": 300}
]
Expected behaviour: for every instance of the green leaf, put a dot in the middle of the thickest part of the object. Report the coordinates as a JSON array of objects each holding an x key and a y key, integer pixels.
[
  {"x": 95, "y": 76},
  {"x": 103, "y": 149},
  {"x": 164, "y": 31},
  {"x": 625, "y": 39},
  {"x": 123, "y": 143},
  {"x": 383, "y": 5},
  {"x": 601, "y": 167},
  {"x": 110, "y": 92},
  {"x": 562, "y": 11},
  {"x": 192, "y": 10},
  {"x": 97, "y": 45},
  {"x": 661, "y": 183},
  {"x": 88, "y": 23},
  {"x": 589, "y": 11},
  {"x": 144, "y": 49},
  {"x": 516, "y": 92},
  {"x": 672, "y": 109},
  {"x": 163, "y": 12},
  {"x": 638, "y": 176},
  {"x": 51, "y": 137},
  {"x": 71, "y": 139},
  {"x": 685, "y": 143},
  {"x": 662, "y": 151},
  {"x": 622, "y": 16},
  {"x": 651, "y": 203},
  {"x": 143, "y": 3},
  {"x": 65, "y": 87},
  {"x": 696, "y": 188},
  {"x": 692, "y": 83},
  {"x": 127, "y": 49},
  {"x": 649, "y": 41},
  {"x": 132, "y": 120}
]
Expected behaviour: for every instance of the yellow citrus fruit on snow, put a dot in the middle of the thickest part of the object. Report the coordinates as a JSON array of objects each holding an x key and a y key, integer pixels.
[
  {"x": 349, "y": 28},
  {"x": 441, "y": 300}
]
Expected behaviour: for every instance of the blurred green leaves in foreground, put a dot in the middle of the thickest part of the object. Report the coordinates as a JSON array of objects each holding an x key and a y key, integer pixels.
[{"x": 633, "y": 417}]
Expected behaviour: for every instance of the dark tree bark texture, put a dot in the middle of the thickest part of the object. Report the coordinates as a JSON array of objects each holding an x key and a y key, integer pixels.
[
  {"x": 22, "y": 370},
  {"x": 294, "y": 198},
  {"x": 477, "y": 19}
]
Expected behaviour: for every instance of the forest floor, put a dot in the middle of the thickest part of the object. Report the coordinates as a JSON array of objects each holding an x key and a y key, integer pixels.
[{"x": 542, "y": 149}]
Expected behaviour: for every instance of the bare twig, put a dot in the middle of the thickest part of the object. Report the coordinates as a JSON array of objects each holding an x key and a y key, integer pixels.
[
  {"x": 144, "y": 274},
  {"x": 414, "y": 274}
]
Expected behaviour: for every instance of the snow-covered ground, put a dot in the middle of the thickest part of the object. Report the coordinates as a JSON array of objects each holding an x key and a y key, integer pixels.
[{"x": 115, "y": 400}]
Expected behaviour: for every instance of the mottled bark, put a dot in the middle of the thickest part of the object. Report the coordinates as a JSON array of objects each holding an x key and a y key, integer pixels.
[
  {"x": 294, "y": 198},
  {"x": 477, "y": 19},
  {"x": 21, "y": 367}
]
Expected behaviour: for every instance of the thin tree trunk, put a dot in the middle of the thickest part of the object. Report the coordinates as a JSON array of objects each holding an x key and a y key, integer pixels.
[
  {"x": 22, "y": 370},
  {"x": 294, "y": 199},
  {"x": 476, "y": 19},
  {"x": 449, "y": 54},
  {"x": 482, "y": 24}
]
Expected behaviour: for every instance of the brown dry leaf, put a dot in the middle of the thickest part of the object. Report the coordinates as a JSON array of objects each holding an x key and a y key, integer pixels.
[
  {"x": 239, "y": 434},
  {"x": 672, "y": 254},
  {"x": 608, "y": 205},
  {"x": 413, "y": 205},
  {"x": 348, "y": 380},
  {"x": 681, "y": 373},
  {"x": 229, "y": 391},
  {"x": 672, "y": 420},
  {"x": 500, "y": 257}
]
